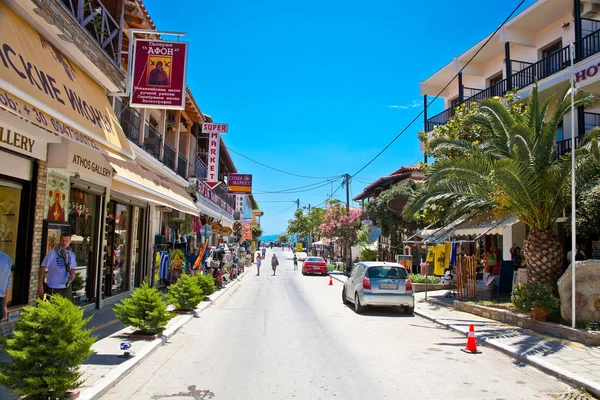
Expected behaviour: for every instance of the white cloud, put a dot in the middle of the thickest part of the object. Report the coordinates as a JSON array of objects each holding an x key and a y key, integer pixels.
[{"x": 412, "y": 104}]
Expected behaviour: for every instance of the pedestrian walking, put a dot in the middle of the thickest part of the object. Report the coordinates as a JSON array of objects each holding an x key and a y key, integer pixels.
[
  {"x": 258, "y": 262},
  {"x": 60, "y": 263},
  {"x": 295, "y": 262},
  {"x": 274, "y": 263},
  {"x": 264, "y": 252}
]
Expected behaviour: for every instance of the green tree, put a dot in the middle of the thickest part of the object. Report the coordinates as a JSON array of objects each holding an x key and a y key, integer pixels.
[
  {"x": 515, "y": 171},
  {"x": 306, "y": 223},
  {"x": 283, "y": 238},
  {"x": 144, "y": 310},
  {"x": 392, "y": 224},
  {"x": 256, "y": 232},
  {"x": 185, "y": 294},
  {"x": 49, "y": 344},
  {"x": 588, "y": 214}
]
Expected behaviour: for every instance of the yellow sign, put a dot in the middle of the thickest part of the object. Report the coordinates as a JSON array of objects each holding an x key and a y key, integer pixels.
[
  {"x": 35, "y": 67},
  {"x": 298, "y": 247}
]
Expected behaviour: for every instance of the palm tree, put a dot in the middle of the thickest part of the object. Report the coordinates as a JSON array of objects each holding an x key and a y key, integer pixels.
[{"x": 515, "y": 171}]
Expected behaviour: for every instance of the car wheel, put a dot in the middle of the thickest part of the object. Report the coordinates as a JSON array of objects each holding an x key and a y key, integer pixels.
[
  {"x": 303, "y": 273},
  {"x": 357, "y": 306},
  {"x": 344, "y": 299},
  {"x": 409, "y": 310}
]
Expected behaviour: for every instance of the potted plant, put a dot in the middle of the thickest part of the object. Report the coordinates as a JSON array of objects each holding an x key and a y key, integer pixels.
[
  {"x": 144, "y": 310},
  {"x": 206, "y": 284},
  {"x": 47, "y": 348},
  {"x": 185, "y": 294},
  {"x": 535, "y": 299}
]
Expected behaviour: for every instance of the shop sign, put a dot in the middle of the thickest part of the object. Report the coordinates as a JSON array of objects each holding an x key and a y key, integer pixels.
[
  {"x": 239, "y": 202},
  {"x": 214, "y": 132},
  {"x": 247, "y": 231},
  {"x": 32, "y": 65},
  {"x": 91, "y": 166},
  {"x": 158, "y": 74},
  {"x": 239, "y": 183},
  {"x": 19, "y": 136}
]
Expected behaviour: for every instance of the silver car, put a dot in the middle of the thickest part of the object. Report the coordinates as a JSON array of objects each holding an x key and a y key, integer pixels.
[{"x": 378, "y": 283}]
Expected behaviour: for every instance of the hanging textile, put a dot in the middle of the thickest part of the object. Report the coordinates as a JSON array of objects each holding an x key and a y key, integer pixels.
[
  {"x": 196, "y": 224},
  {"x": 201, "y": 257},
  {"x": 454, "y": 253},
  {"x": 448, "y": 255},
  {"x": 430, "y": 255},
  {"x": 440, "y": 259},
  {"x": 164, "y": 265}
]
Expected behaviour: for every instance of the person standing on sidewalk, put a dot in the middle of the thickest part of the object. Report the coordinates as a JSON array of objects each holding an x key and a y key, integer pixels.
[
  {"x": 258, "y": 263},
  {"x": 295, "y": 262},
  {"x": 274, "y": 263},
  {"x": 5, "y": 282},
  {"x": 61, "y": 265},
  {"x": 264, "y": 252}
]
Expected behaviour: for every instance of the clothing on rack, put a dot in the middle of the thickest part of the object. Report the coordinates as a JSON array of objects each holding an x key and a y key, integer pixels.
[{"x": 163, "y": 265}]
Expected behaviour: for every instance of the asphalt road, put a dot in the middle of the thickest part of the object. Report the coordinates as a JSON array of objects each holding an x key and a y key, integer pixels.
[{"x": 290, "y": 337}]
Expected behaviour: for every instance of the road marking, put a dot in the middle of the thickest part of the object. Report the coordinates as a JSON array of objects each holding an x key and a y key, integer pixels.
[
  {"x": 562, "y": 341},
  {"x": 109, "y": 323}
]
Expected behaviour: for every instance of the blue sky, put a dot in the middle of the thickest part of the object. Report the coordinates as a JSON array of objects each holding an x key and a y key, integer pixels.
[{"x": 318, "y": 88}]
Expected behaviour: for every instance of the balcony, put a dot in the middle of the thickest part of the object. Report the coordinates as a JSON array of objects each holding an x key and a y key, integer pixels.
[
  {"x": 564, "y": 146},
  {"x": 181, "y": 166},
  {"x": 527, "y": 74},
  {"x": 201, "y": 170},
  {"x": 129, "y": 119},
  {"x": 169, "y": 156},
  {"x": 152, "y": 141},
  {"x": 99, "y": 23}
]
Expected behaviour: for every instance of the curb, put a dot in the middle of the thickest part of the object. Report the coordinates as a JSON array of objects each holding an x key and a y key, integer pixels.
[
  {"x": 103, "y": 385},
  {"x": 567, "y": 377}
]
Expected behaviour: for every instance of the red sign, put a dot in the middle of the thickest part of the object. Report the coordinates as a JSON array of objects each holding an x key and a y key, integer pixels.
[
  {"x": 214, "y": 143},
  {"x": 239, "y": 183},
  {"x": 158, "y": 74}
]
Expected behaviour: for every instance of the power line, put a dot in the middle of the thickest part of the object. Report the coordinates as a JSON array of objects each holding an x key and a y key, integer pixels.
[
  {"x": 331, "y": 195},
  {"x": 299, "y": 189},
  {"x": 282, "y": 211},
  {"x": 441, "y": 91},
  {"x": 276, "y": 169}
]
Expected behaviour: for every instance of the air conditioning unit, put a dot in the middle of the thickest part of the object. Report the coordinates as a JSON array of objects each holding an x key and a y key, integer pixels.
[
  {"x": 177, "y": 215},
  {"x": 589, "y": 10}
]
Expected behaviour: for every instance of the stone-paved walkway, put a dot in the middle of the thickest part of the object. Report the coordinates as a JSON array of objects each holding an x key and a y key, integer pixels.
[{"x": 573, "y": 363}]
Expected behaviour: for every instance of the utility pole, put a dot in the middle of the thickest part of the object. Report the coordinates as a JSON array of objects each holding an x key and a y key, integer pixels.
[{"x": 348, "y": 248}]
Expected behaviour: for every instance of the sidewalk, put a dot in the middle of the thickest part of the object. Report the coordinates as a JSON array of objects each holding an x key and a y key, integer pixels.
[
  {"x": 107, "y": 366},
  {"x": 573, "y": 363}
]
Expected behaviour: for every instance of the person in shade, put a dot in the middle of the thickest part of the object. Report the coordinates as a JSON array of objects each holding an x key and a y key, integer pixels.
[
  {"x": 274, "y": 263},
  {"x": 61, "y": 265},
  {"x": 5, "y": 282},
  {"x": 258, "y": 263}
]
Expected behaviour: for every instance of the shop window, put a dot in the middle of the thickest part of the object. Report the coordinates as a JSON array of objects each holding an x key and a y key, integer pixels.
[
  {"x": 10, "y": 201},
  {"x": 82, "y": 212},
  {"x": 117, "y": 271}
]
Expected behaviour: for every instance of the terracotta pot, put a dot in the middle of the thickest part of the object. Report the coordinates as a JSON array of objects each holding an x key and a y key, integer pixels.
[{"x": 538, "y": 314}]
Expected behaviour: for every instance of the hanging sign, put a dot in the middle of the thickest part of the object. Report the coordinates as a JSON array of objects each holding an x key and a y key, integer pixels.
[
  {"x": 239, "y": 183},
  {"x": 158, "y": 74},
  {"x": 214, "y": 143},
  {"x": 239, "y": 202}
]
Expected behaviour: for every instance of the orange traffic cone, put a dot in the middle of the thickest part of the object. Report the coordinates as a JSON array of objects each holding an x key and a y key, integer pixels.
[
  {"x": 471, "y": 342},
  {"x": 330, "y": 281}
]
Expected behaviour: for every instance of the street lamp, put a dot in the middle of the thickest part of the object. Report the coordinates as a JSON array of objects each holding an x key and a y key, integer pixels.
[{"x": 573, "y": 206}]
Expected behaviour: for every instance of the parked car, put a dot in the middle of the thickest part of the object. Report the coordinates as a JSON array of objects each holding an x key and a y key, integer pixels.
[
  {"x": 314, "y": 265},
  {"x": 378, "y": 283}
]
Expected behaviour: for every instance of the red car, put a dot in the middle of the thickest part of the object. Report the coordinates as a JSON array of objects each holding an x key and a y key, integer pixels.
[{"x": 314, "y": 265}]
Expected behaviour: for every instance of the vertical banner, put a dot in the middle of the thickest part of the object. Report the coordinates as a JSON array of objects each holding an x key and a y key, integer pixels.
[
  {"x": 158, "y": 74},
  {"x": 239, "y": 203},
  {"x": 57, "y": 196},
  {"x": 214, "y": 144}
]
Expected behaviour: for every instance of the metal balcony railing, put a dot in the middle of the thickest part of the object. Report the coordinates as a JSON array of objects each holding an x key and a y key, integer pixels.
[
  {"x": 181, "y": 166},
  {"x": 564, "y": 146},
  {"x": 169, "y": 156},
  {"x": 201, "y": 169},
  {"x": 101, "y": 26},
  {"x": 129, "y": 119},
  {"x": 526, "y": 75},
  {"x": 152, "y": 141}
]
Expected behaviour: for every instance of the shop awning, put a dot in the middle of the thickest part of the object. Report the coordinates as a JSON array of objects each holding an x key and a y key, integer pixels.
[
  {"x": 53, "y": 90},
  {"x": 477, "y": 226},
  {"x": 20, "y": 135},
  {"x": 134, "y": 180},
  {"x": 429, "y": 235}
]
